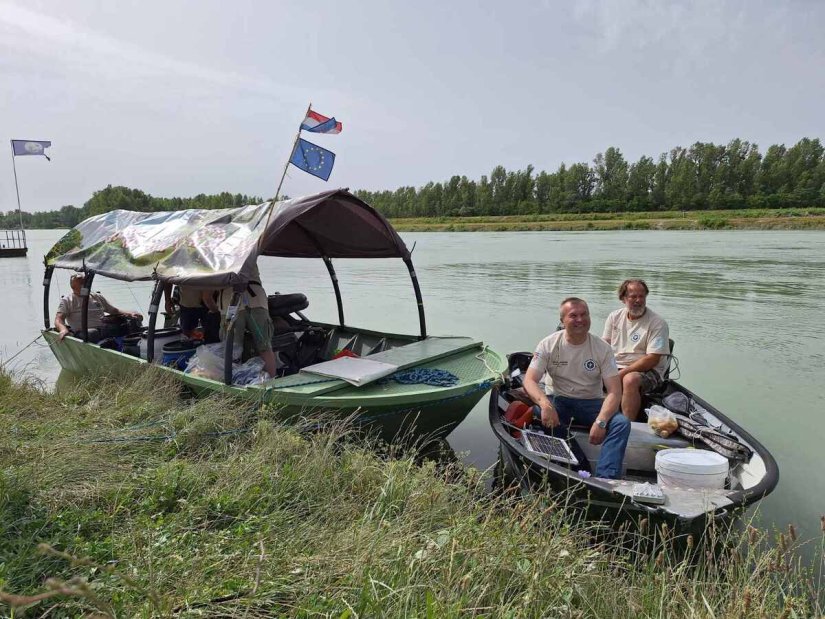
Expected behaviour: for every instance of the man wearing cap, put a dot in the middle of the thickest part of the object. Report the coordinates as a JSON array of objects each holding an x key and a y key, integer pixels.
[
  {"x": 69, "y": 310},
  {"x": 639, "y": 338},
  {"x": 581, "y": 366}
]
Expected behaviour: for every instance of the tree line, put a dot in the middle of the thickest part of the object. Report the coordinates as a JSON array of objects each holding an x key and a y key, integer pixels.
[
  {"x": 113, "y": 198},
  {"x": 704, "y": 176}
]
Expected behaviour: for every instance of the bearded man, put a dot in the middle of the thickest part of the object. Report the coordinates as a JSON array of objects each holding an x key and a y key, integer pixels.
[{"x": 639, "y": 339}]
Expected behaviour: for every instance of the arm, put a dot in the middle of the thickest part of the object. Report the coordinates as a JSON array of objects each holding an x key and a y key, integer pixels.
[
  {"x": 610, "y": 406},
  {"x": 549, "y": 416},
  {"x": 60, "y": 323},
  {"x": 643, "y": 364},
  {"x": 168, "y": 304}
]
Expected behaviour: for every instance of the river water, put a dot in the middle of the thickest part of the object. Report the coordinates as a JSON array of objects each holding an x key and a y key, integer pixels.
[{"x": 746, "y": 309}]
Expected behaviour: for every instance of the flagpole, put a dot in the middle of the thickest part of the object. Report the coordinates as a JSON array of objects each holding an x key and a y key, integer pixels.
[
  {"x": 283, "y": 176},
  {"x": 17, "y": 189},
  {"x": 297, "y": 135}
]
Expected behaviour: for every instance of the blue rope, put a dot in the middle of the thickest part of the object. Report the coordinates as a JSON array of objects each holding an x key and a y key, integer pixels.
[{"x": 423, "y": 376}]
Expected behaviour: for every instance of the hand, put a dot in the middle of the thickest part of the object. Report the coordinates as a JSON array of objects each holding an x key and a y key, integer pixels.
[
  {"x": 63, "y": 333},
  {"x": 597, "y": 434},
  {"x": 170, "y": 307},
  {"x": 549, "y": 416}
]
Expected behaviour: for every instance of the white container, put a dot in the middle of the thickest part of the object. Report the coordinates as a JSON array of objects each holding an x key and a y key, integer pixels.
[
  {"x": 691, "y": 468},
  {"x": 162, "y": 336}
]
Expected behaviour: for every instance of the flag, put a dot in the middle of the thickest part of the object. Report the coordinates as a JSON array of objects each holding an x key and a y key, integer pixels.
[
  {"x": 30, "y": 147},
  {"x": 316, "y": 123},
  {"x": 313, "y": 159}
]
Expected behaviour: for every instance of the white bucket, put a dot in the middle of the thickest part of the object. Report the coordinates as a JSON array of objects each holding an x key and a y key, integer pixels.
[{"x": 691, "y": 468}]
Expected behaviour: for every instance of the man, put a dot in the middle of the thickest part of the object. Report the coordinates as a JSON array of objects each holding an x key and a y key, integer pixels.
[
  {"x": 194, "y": 306},
  {"x": 69, "y": 310},
  {"x": 580, "y": 366},
  {"x": 253, "y": 316},
  {"x": 639, "y": 339}
]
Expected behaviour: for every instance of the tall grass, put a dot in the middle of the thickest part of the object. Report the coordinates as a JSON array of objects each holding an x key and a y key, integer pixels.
[{"x": 128, "y": 500}]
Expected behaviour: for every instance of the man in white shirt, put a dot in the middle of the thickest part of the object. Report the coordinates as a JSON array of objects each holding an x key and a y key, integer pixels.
[
  {"x": 581, "y": 366},
  {"x": 71, "y": 306},
  {"x": 639, "y": 339}
]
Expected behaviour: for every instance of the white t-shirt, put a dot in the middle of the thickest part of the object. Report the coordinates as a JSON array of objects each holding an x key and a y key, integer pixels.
[
  {"x": 633, "y": 339},
  {"x": 575, "y": 370},
  {"x": 254, "y": 296},
  {"x": 71, "y": 307}
]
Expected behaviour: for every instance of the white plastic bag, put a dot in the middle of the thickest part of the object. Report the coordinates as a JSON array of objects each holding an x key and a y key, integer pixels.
[
  {"x": 207, "y": 362},
  {"x": 661, "y": 420}
]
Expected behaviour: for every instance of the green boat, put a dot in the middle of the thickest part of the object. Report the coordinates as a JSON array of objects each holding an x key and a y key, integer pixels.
[{"x": 420, "y": 383}]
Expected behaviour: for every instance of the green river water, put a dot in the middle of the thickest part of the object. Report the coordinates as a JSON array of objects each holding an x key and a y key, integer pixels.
[{"x": 746, "y": 309}]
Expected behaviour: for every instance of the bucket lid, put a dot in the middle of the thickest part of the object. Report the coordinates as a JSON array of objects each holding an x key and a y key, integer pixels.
[
  {"x": 691, "y": 461},
  {"x": 159, "y": 333},
  {"x": 180, "y": 346}
]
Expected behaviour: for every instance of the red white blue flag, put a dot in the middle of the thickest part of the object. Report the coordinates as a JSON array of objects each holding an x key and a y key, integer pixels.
[{"x": 318, "y": 123}]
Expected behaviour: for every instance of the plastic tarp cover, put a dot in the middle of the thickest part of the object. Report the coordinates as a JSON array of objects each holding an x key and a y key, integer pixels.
[{"x": 220, "y": 247}]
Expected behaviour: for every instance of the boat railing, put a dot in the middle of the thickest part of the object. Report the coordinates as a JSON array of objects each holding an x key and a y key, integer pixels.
[{"x": 12, "y": 239}]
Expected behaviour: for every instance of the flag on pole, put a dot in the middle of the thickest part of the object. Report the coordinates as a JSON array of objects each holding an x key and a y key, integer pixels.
[
  {"x": 313, "y": 159},
  {"x": 317, "y": 123},
  {"x": 30, "y": 147}
]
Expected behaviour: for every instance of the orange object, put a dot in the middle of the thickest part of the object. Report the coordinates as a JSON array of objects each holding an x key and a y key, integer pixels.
[{"x": 518, "y": 414}]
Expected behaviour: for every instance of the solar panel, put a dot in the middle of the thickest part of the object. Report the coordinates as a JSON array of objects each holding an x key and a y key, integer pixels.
[{"x": 548, "y": 446}]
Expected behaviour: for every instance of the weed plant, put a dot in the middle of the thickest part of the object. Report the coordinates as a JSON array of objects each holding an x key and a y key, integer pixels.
[{"x": 126, "y": 499}]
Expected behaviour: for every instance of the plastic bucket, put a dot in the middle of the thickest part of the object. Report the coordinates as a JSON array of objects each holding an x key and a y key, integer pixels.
[
  {"x": 691, "y": 468},
  {"x": 177, "y": 354},
  {"x": 162, "y": 337}
]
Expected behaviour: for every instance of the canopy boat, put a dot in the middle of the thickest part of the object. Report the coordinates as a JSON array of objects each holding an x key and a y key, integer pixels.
[
  {"x": 219, "y": 249},
  {"x": 750, "y": 472}
]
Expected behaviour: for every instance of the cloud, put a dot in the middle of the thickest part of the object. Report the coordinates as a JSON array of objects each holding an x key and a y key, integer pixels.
[{"x": 69, "y": 45}]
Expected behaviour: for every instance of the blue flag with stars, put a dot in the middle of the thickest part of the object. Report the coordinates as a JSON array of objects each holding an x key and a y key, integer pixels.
[{"x": 313, "y": 159}]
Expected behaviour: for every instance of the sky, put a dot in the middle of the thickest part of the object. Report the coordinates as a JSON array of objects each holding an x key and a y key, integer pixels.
[{"x": 180, "y": 98}]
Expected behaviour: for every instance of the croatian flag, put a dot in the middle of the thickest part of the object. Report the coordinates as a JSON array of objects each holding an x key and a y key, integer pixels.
[
  {"x": 30, "y": 147},
  {"x": 317, "y": 123}
]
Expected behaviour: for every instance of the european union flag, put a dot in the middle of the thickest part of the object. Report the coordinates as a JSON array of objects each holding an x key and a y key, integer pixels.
[{"x": 313, "y": 159}]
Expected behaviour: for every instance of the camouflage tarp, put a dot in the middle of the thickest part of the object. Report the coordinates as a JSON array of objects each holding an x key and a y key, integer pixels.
[{"x": 220, "y": 247}]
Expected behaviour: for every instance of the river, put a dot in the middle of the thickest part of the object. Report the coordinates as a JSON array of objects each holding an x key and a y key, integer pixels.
[{"x": 746, "y": 309}]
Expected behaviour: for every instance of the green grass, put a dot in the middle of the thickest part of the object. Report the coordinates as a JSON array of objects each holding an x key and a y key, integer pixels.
[
  {"x": 126, "y": 500},
  {"x": 791, "y": 218}
]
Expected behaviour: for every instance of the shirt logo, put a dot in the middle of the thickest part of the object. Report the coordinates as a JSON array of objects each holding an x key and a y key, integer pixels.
[
  {"x": 589, "y": 365},
  {"x": 635, "y": 337}
]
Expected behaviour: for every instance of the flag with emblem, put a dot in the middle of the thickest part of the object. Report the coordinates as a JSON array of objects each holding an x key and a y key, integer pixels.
[
  {"x": 30, "y": 147},
  {"x": 312, "y": 158}
]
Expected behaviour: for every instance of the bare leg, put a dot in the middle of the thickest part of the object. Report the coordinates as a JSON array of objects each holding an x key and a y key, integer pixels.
[
  {"x": 269, "y": 362},
  {"x": 632, "y": 395}
]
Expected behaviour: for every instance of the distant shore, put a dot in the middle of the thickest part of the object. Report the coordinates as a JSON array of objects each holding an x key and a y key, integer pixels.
[{"x": 761, "y": 219}]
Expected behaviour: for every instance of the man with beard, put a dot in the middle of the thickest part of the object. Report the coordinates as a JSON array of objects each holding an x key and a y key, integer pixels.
[
  {"x": 581, "y": 367},
  {"x": 639, "y": 339}
]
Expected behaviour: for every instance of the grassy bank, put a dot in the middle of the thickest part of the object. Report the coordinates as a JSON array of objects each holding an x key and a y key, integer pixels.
[
  {"x": 124, "y": 500},
  {"x": 750, "y": 219}
]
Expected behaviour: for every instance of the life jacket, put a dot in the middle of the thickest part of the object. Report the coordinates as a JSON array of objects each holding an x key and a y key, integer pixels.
[{"x": 518, "y": 414}]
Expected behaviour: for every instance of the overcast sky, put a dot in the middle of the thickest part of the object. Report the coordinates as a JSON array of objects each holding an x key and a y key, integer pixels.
[{"x": 180, "y": 98}]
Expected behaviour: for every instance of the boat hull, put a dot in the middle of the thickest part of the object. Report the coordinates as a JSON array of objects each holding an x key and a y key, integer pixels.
[{"x": 426, "y": 411}]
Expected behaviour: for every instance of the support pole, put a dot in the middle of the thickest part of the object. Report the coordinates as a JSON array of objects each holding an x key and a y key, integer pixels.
[
  {"x": 229, "y": 337},
  {"x": 88, "y": 278},
  {"x": 419, "y": 300},
  {"x": 47, "y": 283},
  {"x": 154, "y": 306},
  {"x": 334, "y": 278},
  {"x": 17, "y": 189}
]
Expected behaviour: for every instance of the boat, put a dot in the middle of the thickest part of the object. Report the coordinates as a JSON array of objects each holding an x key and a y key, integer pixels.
[
  {"x": 752, "y": 472},
  {"x": 220, "y": 248}
]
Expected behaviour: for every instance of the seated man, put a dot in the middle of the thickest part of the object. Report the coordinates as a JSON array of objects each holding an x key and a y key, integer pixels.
[
  {"x": 639, "y": 339},
  {"x": 69, "y": 310},
  {"x": 580, "y": 365}
]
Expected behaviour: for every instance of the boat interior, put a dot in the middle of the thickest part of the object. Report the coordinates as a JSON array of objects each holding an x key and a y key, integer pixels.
[{"x": 642, "y": 447}]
